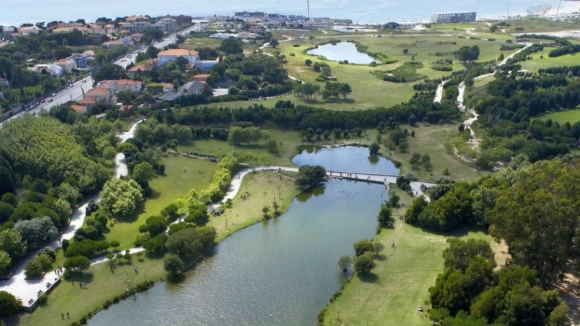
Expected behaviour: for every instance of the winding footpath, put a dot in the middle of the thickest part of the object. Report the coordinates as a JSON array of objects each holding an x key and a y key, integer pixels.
[{"x": 27, "y": 289}]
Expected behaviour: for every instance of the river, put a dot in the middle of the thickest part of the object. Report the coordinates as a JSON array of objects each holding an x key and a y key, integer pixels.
[
  {"x": 280, "y": 272},
  {"x": 14, "y": 12}
]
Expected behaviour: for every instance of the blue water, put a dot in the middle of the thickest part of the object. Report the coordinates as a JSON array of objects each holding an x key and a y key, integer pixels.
[
  {"x": 20, "y": 11},
  {"x": 342, "y": 51},
  {"x": 281, "y": 272},
  {"x": 346, "y": 159}
]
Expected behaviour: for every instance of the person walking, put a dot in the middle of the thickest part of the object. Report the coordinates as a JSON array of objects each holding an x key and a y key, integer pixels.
[
  {"x": 67, "y": 315},
  {"x": 62, "y": 316}
]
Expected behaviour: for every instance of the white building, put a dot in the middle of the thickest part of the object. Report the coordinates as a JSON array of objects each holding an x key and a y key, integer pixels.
[
  {"x": 67, "y": 64},
  {"x": 129, "y": 85},
  {"x": 167, "y": 56},
  {"x": 167, "y": 25}
]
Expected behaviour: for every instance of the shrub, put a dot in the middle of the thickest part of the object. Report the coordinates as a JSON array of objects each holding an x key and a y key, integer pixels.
[
  {"x": 9, "y": 304},
  {"x": 364, "y": 263},
  {"x": 33, "y": 269}
]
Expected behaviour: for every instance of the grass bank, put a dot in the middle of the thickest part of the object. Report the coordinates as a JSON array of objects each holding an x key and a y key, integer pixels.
[{"x": 399, "y": 283}]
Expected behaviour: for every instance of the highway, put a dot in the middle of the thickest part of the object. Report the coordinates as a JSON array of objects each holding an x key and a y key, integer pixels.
[{"x": 75, "y": 92}]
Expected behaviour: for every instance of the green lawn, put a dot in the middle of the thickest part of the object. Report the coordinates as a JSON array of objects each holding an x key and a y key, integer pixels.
[
  {"x": 430, "y": 139},
  {"x": 287, "y": 143},
  {"x": 263, "y": 187},
  {"x": 102, "y": 286},
  {"x": 128, "y": 121},
  {"x": 181, "y": 174},
  {"x": 562, "y": 116},
  {"x": 542, "y": 60},
  {"x": 400, "y": 282}
]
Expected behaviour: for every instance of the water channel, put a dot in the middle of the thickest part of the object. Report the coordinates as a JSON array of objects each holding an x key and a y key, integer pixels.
[
  {"x": 342, "y": 51},
  {"x": 281, "y": 272}
]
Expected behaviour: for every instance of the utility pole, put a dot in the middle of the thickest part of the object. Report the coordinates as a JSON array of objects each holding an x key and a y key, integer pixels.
[{"x": 308, "y": 4}]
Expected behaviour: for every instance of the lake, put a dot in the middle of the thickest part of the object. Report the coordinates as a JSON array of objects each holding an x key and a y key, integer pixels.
[
  {"x": 13, "y": 12},
  {"x": 342, "y": 51},
  {"x": 281, "y": 272},
  {"x": 346, "y": 159}
]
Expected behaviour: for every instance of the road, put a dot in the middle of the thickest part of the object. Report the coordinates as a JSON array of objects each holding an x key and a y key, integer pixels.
[{"x": 75, "y": 92}]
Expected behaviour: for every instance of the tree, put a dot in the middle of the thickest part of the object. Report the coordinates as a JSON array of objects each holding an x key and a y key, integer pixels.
[
  {"x": 231, "y": 46},
  {"x": 143, "y": 172},
  {"x": 362, "y": 247},
  {"x": 344, "y": 90},
  {"x": 33, "y": 269},
  {"x": 77, "y": 263},
  {"x": 157, "y": 244},
  {"x": 156, "y": 225},
  {"x": 45, "y": 261},
  {"x": 466, "y": 53},
  {"x": 310, "y": 176},
  {"x": 538, "y": 216},
  {"x": 69, "y": 193},
  {"x": 36, "y": 231},
  {"x": 364, "y": 263},
  {"x": 374, "y": 149},
  {"x": 344, "y": 262},
  {"x": 12, "y": 243},
  {"x": 184, "y": 242},
  {"x": 377, "y": 248},
  {"x": 5, "y": 211},
  {"x": 9, "y": 304},
  {"x": 114, "y": 244},
  {"x": 120, "y": 196},
  {"x": 198, "y": 214},
  {"x": 108, "y": 72},
  {"x": 415, "y": 159},
  {"x": 412, "y": 120},
  {"x": 385, "y": 216},
  {"x": 460, "y": 253},
  {"x": 274, "y": 43},
  {"x": 5, "y": 262},
  {"x": 173, "y": 264},
  {"x": 272, "y": 146},
  {"x": 405, "y": 51}
]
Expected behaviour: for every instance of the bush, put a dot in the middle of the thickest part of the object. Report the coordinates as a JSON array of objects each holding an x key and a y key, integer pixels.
[
  {"x": 364, "y": 263},
  {"x": 9, "y": 304},
  {"x": 77, "y": 263},
  {"x": 33, "y": 269},
  {"x": 362, "y": 247},
  {"x": 173, "y": 264}
]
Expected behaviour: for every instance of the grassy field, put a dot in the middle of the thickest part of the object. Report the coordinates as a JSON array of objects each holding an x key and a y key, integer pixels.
[
  {"x": 263, "y": 187},
  {"x": 562, "y": 116},
  {"x": 400, "y": 281},
  {"x": 102, "y": 285},
  {"x": 542, "y": 60},
  {"x": 181, "y": 174},
  {"x": 430, "y": 139},
  {"x": 287, "y": 143}
]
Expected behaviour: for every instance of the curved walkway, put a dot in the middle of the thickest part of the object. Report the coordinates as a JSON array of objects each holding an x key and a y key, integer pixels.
[{"x": 27, "y": 289}]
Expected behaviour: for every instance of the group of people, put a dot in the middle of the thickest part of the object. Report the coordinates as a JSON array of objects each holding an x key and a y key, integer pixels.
[
  {"x": 67, "y": 315},
  {"x": 246, "y": 195},
  {"x": 58, "y": 271}
]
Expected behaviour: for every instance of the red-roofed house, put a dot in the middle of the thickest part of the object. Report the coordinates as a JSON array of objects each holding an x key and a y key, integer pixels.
[
  {"x": 200, "y": 78},
  {"x": 98, "y": 95},
  {"x": 79, "y": 108},
  {"x": 167, "y": 56},
  {"x": 129, "y": 85}
]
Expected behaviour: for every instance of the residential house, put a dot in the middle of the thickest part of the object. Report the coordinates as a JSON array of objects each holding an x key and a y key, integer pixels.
[
  {"x": 133, "y": 19},
  {"x": 202, "y": 78},
  {"x": 168, "y": 87},
  {"x": 8, "y": 31},
  {"x": 109, "y": 29},
  {"x": 193, "y": 87},
  {"x": 167, "y": 25},
  {"x": 111, "y": 44},
  {"x": 138, "y": 26},
  {"x": 128, "y": 41},
  {"x": 3, "y": 44},
  {"x": 29, "y": 30},
  {"x": 170, "y": 55},
  {"x": 79, "y": 108},
  {"x": 129, "y": 85},
  {"x": 98, "y": 95},
  {"x": 51, "y": 69},
  {"x": 68, "y": 29},
  {"x": 81, "y": 60},
  {"x": 206, "y": 65},
  {"x": 137, "y": 69},
  {"x": 136, "y": 37},
  {"x": 67, "y": 64},
  {"x": 111, "y": 85}
]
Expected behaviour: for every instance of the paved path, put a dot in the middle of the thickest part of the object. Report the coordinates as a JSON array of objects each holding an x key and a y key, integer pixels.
[
  {"x": 439, "y": 92},
  {"x": 25, "y": 289}
]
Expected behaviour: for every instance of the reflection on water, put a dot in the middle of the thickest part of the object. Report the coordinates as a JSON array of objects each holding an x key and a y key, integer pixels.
[
  {"x": 342, "y": 51},
  {"x": 277, "y": 273},
  {"x": 348, "y": 159}
]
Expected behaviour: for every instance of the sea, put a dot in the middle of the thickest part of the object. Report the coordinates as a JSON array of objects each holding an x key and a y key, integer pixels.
[{"x": 16, "y": 12}]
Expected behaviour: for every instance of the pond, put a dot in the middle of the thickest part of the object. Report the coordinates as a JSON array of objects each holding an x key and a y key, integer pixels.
[
  {"x": 342, "y": 51},
  {"x": 280, "y": 272},
  {"x": 350, "y": 159}
]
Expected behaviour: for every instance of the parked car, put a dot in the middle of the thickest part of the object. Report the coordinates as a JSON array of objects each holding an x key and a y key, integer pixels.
[{"x": 53, "y": 94}]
